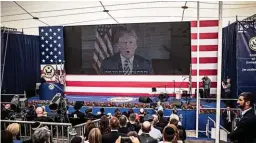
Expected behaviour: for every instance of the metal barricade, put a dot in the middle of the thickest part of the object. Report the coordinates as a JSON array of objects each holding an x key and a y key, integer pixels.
[
  {"x": 80, "y": 128},
  {"x": 59, "y": 131}
]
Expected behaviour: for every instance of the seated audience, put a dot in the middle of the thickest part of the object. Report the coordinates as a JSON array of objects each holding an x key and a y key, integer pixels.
[
  {"x": 40, "y": 116},
  {"x": 181, "y": 130},
  {"x": 145, "y": 136},
  {"x": 88, "y": 114},
  {"x": 170, "y": 134},
  {"x": 14, "y": 128},
  {"x": 123, "y": 125},
  {"x": 77, "y": 140},
  {"x": 41, "y": 135},
  {"x": 95, "y": 136},
  {"x": 114, "y": 134},
  {"x": 88, "y": 127},
  {"x": 104, "y": 125},
  {"x": 133, "y": 125},
  {"x": 155, "y": 133},
  {"x": 162, "y": 121}
]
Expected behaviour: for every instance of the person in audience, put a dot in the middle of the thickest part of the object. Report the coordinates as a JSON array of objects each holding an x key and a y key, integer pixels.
[
  {"x": 41, "y": 116},
  {"x": 182, "y": 132},
  {"x": 228, "y": 117},
  {"x": 14, "y": 128},
  {"x": 101, "y": 113},
  {"x": 78, "y": 113},
  {"x": 41, "y": 135},
  {"x": 123, "y": 125},
  {"x": 77, "y": 140},
  {"x": 174, "y": 115},
  {"x": 88, "y": 114},
  {"x": 114, "y": 134},
  {"x": 125, "y": 114},
  {"x": 6, "y": 137},
  {"x": 88, "y": 127},
  {"x": 6, "y": 111},
  {"x": 145, "y": 136},
  {"x": 170, "y": 134},
  {"x": 95, "y": 136},
  {"x": 104, "y": 125},
  {"x": 155, "y": 122},
  {"x": 162, "y": 120},
  {"x": 142, "y": 114},
  {"x": 117, "y": 113},
  {"x": 133, "y": 133},
  {"x": 130, "y": 111},
  {"x": 133, "y": 125},
  {"x": 155, "y": 133},
  {"x": 159, "y": 107},
  {"x": 245, "y": 130},
  {"x": 132, "y": 139}
]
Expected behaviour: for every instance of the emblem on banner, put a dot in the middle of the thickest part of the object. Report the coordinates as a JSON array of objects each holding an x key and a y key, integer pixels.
[
  {"x": 121, "y": 99},
  {"x": 48, "y": 71},
  {"x": 252, "y": 43},
  {"x": 51, "y": 86}
]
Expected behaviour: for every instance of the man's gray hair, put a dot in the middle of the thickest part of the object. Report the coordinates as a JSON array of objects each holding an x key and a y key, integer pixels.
[{"x": 41, "y": 134}]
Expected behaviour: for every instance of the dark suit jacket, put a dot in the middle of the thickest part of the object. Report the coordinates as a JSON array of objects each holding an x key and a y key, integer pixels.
[
  {"x": 123, "y": 130},
  {"x": 146, "y": 138},
  {"x": 162, "y": 123},
  {"x": 112, "y": 137},
  {"x": 245, "y": 130},
  {"x": 113, "y": 65},
  {"x": 225, "y": 115}
]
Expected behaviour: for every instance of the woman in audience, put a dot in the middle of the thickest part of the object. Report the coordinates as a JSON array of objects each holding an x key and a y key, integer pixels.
[
  {"x": 104, "y": 125},
  {"x": 94, "y": 136},
  {"x": 181, "y": 130},
  {"x": 14, "y": 128},
  {"x": 89, "y": 126}
]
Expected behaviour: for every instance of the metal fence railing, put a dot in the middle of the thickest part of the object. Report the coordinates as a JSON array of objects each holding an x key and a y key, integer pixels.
[
  {"x": 59, "y": 131},
  {"x": 80, "y": 128}
]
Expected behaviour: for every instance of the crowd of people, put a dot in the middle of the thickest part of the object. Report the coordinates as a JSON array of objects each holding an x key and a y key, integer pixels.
[{"x": 121, "y": 127}]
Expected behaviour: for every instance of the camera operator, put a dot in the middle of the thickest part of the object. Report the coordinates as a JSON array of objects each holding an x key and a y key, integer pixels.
[{"x": 207, "y": 86}]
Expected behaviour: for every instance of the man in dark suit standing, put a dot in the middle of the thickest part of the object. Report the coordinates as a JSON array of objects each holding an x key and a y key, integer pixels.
[
  {"x": 114, "y": 134},
  {"x": 228, "y": 117},
  {"x": 126, "y": 62},
  {"x": 245, "y": 130}
]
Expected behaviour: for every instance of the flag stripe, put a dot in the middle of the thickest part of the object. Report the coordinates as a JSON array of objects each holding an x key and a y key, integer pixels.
[
  {"x": 203, "y": 54},
  {"x": 205, "y": 42},
  {"x": 127, "y": 90},
  {"x": 205, "y": 72},
  {"x": 205, "y": 23},
  {"x": 205, "y": 30},
  {"x": 170, "y": 84},
  {"x": 205, "y": 60},
  {"x": 204, "y": 48},
  {"x": 134, "y": 78},
  {"x": 205, "y": 35}
]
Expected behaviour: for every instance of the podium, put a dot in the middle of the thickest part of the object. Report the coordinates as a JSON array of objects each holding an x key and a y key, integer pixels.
[{"x": 48, "y": 90}]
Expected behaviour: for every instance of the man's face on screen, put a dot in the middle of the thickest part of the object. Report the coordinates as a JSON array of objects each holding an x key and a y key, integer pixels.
[{"x": 127, "y": 45}]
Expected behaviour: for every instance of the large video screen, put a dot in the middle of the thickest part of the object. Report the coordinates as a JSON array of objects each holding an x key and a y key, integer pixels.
[{"x": 129, "y": 49}]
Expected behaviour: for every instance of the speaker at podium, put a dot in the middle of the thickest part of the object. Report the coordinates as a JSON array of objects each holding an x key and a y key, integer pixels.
[{"x": 48, "y": 90}]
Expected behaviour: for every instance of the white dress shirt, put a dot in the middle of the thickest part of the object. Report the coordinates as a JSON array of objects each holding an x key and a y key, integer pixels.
[{"x": 154, "y": 133}]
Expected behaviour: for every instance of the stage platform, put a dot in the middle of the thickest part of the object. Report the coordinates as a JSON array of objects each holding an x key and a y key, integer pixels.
[{"x": 188, "y": 115}]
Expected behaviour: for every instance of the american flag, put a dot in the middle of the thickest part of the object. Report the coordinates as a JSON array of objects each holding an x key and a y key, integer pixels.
[
  {"x": 103, "y": 44},
  {"x": 51, "y": 52},
  {"x": 135, "y": 85}
]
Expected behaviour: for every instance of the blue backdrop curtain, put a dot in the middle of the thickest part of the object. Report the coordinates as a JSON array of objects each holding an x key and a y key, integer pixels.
[
  {"x": 22, "y": 66},
  {"x": 229, "y": 36}
]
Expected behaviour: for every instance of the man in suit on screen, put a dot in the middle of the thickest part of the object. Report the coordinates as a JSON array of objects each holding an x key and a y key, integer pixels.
[{"x": 126, "y": 62}]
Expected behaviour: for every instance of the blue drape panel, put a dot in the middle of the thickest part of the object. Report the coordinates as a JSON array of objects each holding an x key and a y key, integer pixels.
[
  {"x": 229, "y": 35},
  {"x": 22, "y": 65}
]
